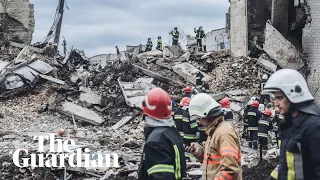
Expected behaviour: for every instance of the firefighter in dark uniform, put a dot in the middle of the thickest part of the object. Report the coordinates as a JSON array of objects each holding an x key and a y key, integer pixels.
[
  {"x": 149, "y": 45},
  {"x": 225, "y": 106},
  {"x": 175, "y": 36},
  {"x": 187, "y": 92},
  {"x": 300, "y": 130},
  {"x": 190, "y": 128},
  {"x": 163, "y": 153},
  {"x": 254, "y": 116},
  {"x": 205, "y": 86},
  {"x": 199, "y": 77},
  {"x": 177, "y": 116},
  {"x": 245, "y": 133},
  {"x": 159, "y": 43},
  {"x": 276, "y": 121},
  {"x": 265, "y": 125},
  {"x": 201, "y": 128},
  {"x": 199, "y": 36}
]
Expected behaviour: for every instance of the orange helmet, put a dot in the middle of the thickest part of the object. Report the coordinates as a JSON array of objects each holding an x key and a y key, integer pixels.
[
  {"x": 157, "y": 104},
  {"x": 187, "y": 89},
  {"x": 185, "y": 101},
  {"x": 267, "y": 112},
  {"x": 225, "y": 103},
  {"x": 255, "y": 104}
]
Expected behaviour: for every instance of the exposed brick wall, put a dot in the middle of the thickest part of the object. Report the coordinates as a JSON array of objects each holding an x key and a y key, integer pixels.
[{"x": 311, "y": 46}]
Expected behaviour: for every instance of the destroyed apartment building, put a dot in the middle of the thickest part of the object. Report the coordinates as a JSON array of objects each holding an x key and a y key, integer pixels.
[
  {"x": 287, "y": 30},
  {"x": 97, "y": 101}
]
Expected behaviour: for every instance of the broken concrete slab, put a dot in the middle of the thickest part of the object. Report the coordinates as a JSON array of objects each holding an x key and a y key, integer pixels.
[
  {"x": 280, "y": 49},
  {"x": 238, "y": 92},
  {"x": 158, "y": 76},
  {"x": 122, "y": 122},
  {"x": 270, "y": 66},
  {"x": 52, "y": 79},
  {"x": 90, "y": 98},
  {"x": 18, "y": 45},
  {"x": 134, "y": 92},
  {"x": 175, "y": 51},
  {"x": 207, "y": 55},
  {"x": 185, "y": 70},
  {"x": 153, "y": 53},
  {"x": 146, "y": 80},
  {"x": 235, "y": 107},
  {"x": 81, "y": 113}
]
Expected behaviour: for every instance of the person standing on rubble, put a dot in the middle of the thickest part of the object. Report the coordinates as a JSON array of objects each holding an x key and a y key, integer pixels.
[
  {"x": 190, "y": 127},
  {"x": 187, "y": 92},
  {"x": 265, "y": 125},
  {"x": 159, "y": 43},
  {"x": 300, "y": 130},
  {"x": 199, "y": 35},
  {"x": 149, "y": 45},
  {"x": 175, "y": 36},
  {"x": 225, "y": 105},
  {"x": 163, "y": 153},
  {"x": 205, "y": 86},
  {"x": 254, "y": 115},
  {"x": 220, "y": 154},
  {"x": 199, "y": 77},
  {"x": 245, "y": 117}
]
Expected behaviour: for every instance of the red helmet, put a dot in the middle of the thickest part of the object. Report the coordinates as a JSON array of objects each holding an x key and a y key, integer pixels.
[
  {"x": 255, "y": 104},
  {"x": 225, "y": 103},
  {"x": 175, "y": 27},
  {"x": 267, "y": 112},
  {"x": 157, "y": 104},
  {"x": 187, "y": 89},
  {"x": 185, "y": 101}
]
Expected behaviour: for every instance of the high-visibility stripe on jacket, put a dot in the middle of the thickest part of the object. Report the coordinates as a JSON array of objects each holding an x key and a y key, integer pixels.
[
  {"x": 177, "y": 117},
  {"x": 265, "y": 125},
  {"x": 220, "y": 155},
  {"x": 199, "y": 77},
  {"x": 190, "y": 128},
  {"x": 163, "y": 155},
  {"x": 253, "y": 116}
]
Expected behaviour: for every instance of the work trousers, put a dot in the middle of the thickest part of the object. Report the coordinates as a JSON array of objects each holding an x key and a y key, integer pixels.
[
  {"x": 263, "y": 141},
  {"x": 253, "y": 139},
  {"x": 199, "y": 43},
  {"x": 174, "y": 42}
]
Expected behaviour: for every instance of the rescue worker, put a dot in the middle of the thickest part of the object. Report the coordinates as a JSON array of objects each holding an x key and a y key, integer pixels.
[
  {"x": 175, "y": 36},
  {"x": 300, "y": 130},
  {"x": 190, "y": 128},
  {"x": 205, "y": 86},
  {"x": 187, "y": 92},
  {"x": 220, "y": 154},
  {"x": 276, "y": 121},
  {"x": 254, "y": 116},
  {"x": 245, "y": 133},
  {"x": 159, "y": 43},
  {"x": 149, "y": 45},
  {"x": 177, "y": 116},
  {"x": 265, "y": 98},
  {"x": 199, "y": 77},
  {"x": 199, "y": 35},
  {"x": 163, "y": 152},
  {"x": 201, "y": 128},
  {"x": 225, "y": 105},
  {"x": 265, "y": 125}
]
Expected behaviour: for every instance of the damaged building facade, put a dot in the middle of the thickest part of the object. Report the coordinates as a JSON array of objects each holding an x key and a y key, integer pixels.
[
  {"x": 16, "y": 21},
  {"x": 287, "y": 30}
]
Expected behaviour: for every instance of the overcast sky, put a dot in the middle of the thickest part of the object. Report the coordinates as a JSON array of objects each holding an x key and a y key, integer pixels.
[{"x": 97, "y": 26}]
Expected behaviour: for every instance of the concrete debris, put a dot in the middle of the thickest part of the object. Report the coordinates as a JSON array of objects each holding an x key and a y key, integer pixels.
[
  {"x": 154, "y": 53},
  {"x": 185, "y": 70},
  {"x": 81, "y": 113},
  {"x": 122, "y": 122},
  {"x": 280, "y": 49},
  {"x": 90, "y": 98}
]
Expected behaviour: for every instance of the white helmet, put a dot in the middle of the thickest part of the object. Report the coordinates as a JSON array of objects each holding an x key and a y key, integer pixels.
[
  {"x": 204, "y": 79},
  {"x": 203, "y": 105},
  {"x": 195, "y": 71},
  {"x": 291, "y": 83},
  {"x": 265, "y": 77}
]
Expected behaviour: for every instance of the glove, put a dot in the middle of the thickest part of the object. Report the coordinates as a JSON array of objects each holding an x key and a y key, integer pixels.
[{"x": 194, "y": 149}]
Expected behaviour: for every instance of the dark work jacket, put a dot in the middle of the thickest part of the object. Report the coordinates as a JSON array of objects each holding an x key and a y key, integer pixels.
[
  {"x": 253, "y": 116},
  {"x": 199, "y": 77},
  {"x": 300, "y": 146},
  {"x": 163, "y": 155},
  {"x": 196, "y": 91},
  {"x": 187, "y": 94},
  {"x": 265, "y": 125},
  {"x": 199, "y": 33}
]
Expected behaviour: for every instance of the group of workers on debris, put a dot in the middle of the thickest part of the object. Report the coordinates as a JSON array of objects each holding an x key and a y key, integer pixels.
[
  {"x": 200, "y": 34},
  {"x": 199, "y": 127}
]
